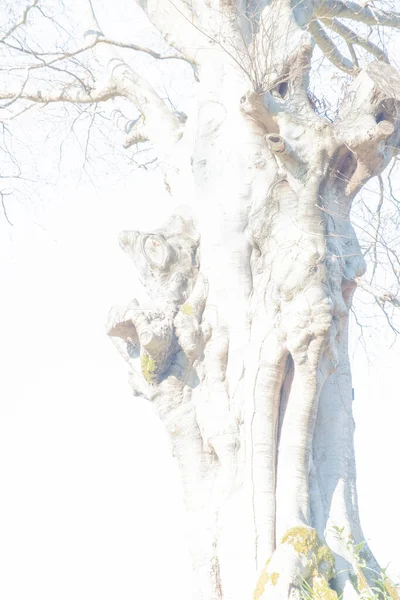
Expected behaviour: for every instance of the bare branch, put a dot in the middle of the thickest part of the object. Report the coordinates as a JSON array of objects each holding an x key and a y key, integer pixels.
[
  {"x": 330, "y": 50},
  {"x": 2, "y": 194},
  {"x": 176, "y": 22},
  {"x": 161, "y": 123},
  {"x": 346, "y": 9},
  {"x": 78, "y": 96},
  {"x": 380, "y": 294},
  {"x": 378, "y": 228},
  {"x": 353, "y": 54},
  {"x": 389, "y": 318},
  {"x": 194, "y": 27},
  {"x": 138, "y": 48},
  {"x": 353, "y": 38},
  {"x": 22, "y": 21},
  {"x": 137, "y": 133},
  {"x": 59, "y": 56}
]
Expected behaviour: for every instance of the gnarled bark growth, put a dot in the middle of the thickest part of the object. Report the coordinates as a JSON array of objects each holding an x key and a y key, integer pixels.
[
  {"x": 242, "y": 347},
  {"x": 248, "y": 364}
]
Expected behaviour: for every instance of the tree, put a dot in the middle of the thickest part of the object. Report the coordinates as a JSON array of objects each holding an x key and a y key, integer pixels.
[{"x": 242, "y": 345}]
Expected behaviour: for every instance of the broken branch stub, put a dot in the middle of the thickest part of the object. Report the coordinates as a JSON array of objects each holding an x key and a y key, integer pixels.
[
  {"x": 368, "y": 122},
  {"x": 275, "y": 142}
]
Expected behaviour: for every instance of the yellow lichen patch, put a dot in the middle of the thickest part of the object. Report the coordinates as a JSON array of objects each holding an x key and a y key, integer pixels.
[
  {"x": 262, "y": 582},
  {"x": 148, "y": 366},
  {"x": 260, "y": 587},
  {"x": 303, "y": 539},
  {"x": 321, "y": 589},
  {"x": 326, "y": 562},
  {"x": 362, "y": 583},
  {"x": 391, "y": 589},
  {"x": 325, "y": 555},
  {"x": 306, "y": 542},
  {"x": 274, "y": 578},
  {"x": 187, "y": 309},
  {"x": 320, "y": 562}
]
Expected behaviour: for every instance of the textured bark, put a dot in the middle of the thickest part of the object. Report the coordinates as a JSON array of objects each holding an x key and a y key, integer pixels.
[{"x": 243, "y": 346}]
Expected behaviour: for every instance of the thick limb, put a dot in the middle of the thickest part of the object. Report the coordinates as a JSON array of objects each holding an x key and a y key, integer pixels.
[
  {"x": 334, "y": 461},
  {"x": 264, "y": 424},
  {"x": 295, "y": 443},
  {"x": 347, "y": 9}
]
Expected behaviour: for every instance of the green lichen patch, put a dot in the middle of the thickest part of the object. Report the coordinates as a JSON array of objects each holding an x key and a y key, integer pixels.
[
  {"x": 148, "y": 366},
  {"x": 187, "y": 309}
]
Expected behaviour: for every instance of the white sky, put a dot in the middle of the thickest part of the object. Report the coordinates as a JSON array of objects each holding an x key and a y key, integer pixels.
[{"x": 90, "y": 506}]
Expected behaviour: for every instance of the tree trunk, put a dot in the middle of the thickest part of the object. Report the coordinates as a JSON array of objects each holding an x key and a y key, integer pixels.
[{"x": 243, "y": 345}]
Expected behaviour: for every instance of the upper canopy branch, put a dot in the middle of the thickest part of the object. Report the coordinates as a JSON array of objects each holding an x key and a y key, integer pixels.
[
  {"x": 178, "y": 24},
  {"x": 162, "y": 126},
  {"x": 65, "y": 94},
  {"x": 381, "y": 295},
  {"x": 330, "y": 50},
  {"x": 60, "y": 56},
  {"x": 80, "y": 86},
  {"x": 354, "y": 39},
  {"x": 22, "y": 21},
  {"x": 197, "y": 27},
  {"x": 346, "y": 9}
]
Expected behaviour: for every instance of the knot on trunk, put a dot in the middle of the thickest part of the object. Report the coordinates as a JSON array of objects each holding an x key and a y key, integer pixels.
[
  {"x": 166, "y": 259},
  {"x": 168, "y": 265},
  {"x": 148, "y": 333},
  {"x": 368, "y": 125}
]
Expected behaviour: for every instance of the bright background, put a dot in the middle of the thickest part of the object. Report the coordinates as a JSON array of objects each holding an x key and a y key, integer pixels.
[{"x": 90, "y": 503}]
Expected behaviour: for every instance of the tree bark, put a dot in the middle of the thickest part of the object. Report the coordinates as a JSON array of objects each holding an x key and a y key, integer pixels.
[{"x": 248, "y": 363}]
